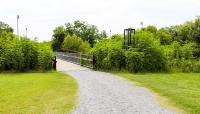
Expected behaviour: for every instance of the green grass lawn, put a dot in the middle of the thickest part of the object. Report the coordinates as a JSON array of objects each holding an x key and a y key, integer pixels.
[
  {"x": 37, "y": 93},
  {"x": 181, "y": 89}
]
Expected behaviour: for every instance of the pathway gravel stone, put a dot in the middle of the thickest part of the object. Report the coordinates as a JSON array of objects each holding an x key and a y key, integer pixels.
[{"x": 105, "y": 93}]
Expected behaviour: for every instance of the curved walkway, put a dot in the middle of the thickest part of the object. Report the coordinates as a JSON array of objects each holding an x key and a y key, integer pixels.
[{"x": 104, "y": 93}]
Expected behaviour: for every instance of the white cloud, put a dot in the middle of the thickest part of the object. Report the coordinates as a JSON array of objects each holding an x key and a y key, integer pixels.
[{"x": 42, "y": 16}]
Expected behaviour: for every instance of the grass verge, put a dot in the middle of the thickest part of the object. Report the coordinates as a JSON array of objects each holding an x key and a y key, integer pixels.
[
  {"x": 181, "y": 89},
  {"x": 37, "y": 93}
]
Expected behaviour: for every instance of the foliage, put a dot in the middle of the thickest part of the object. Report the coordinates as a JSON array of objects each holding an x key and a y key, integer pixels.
[
  {"x": 88, "y": 33},
  {"x": 44, "y": 57},
  {"x": 23, "y": 54},
  {"x": 151, "y": 29},
  {"x": 184, "y": 33},
  {"x": 30, "y": 52},
  {"x": 154, "y": 58},
  {"x": 115, "y": 58},
  {"x": 11, "y": 56},
  {"x": 103, "y": 34},
  {"x": 134, "y": 60},
  {"x": 164, "y": 37},
  {"x": 196, "y": 31},
  {"x": 58, "y": 37},
  {"x": 180, "y": 58},
  {"x": 100, "y": 51},
  {"x": 85, "y": 31},
  {"x": 5, "y": 27},
  {"x": 145, "y": 56},
  {"x": 108, "y": 54},
  {"x": 75, "y": 43}
]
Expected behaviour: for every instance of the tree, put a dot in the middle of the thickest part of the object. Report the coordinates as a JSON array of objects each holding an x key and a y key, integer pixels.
[
  {"x": 75, "y": 43},
  {"x": 58, "y": 37},
  {"x": 92, "y": 35},
  {"x": 185, "y": 32},
  {"x": 151, "y": 29},
  {"x": 196, "y": 31},
  {"x": 164, "y": 36},
  {"x": 87, "y": 32},
  {"x": 5, "y": 27},
  {"x": 173, "y": 31}
]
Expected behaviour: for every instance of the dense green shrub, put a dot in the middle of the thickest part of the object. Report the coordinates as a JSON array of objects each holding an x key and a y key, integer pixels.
[
  {"x": 30, "y": 51},
  {"x": 145, "y": 56},
  {"x": 23, "y": 54},
  {"x": 187, "y": 50},
  {"x": 154, "y": 57},
  {"x": 100, "y": 52},
  {"x": 13, "y": 56},
  {"x": 164, "y": 37},
  {"x": 108, "y": 54},
  {"x": 151, "y": 29},
  {"x": 115, "y": 58},
  {"x": 180, "y": 58},
  {"x": 183, "y": 65},
  {"x": 134, "y": 60},
  {"x": 44, "y": 56}
]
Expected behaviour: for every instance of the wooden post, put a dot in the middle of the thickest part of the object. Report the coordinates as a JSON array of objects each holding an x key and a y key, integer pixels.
[{"x": 54, "y": 63}]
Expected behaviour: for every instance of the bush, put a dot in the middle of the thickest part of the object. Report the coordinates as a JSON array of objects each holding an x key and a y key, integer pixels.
[
  {"x": 30, "y": 51},
  {"x": 151, "y": 29},
  {"x": 100, "y": 52},
  {"x": 164, "y": 37},
  {"x": 115, "y": 58},
  {"x": 23, "y": 54},
  {"x": 154, "y": 60},
  {"x": 180, "y": 58},
  {"x": 45, "y": 55},
  {"x": 13, "y": 56},
  {"x": 134, "y": 60},
  {"x": 187, "y": 50},
  {"x": 145, "y": 55},
  {"x": 154, "y": 57},
  {"x": 108, "y": 54},
  {"x": 183, "y": 65}
]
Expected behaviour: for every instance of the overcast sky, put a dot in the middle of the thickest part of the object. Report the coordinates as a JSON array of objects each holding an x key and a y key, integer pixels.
[{"x": 42, "y": 16}]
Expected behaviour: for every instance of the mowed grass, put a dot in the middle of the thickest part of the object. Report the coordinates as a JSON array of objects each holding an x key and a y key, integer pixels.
[
  {"x": 181, "y": 89},
  {"x": 37, "y": 93}
]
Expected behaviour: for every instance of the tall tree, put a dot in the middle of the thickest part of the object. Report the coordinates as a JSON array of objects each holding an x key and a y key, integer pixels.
[
  {"x": 58, "y": 37},
  {"x": 83, "y": 30}
]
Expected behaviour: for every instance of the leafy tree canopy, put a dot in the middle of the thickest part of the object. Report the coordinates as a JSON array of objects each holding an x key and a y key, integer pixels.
[
  {"x": 81, "y": 29},
  {"x": 5, "y": 27}
]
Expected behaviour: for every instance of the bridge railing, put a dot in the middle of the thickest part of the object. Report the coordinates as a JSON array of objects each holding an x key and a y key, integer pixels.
[{"x": 85, "y": 60}]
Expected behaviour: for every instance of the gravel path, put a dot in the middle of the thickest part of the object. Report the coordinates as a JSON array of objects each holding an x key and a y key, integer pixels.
[{"x": 104, "y": 93}]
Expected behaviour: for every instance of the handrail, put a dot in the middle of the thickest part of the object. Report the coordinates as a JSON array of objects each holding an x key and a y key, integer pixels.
[{"x": 85, "y": 60}]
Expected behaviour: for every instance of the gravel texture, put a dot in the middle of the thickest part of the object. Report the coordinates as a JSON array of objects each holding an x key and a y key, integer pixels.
[{"x": 104, "y": 93}]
